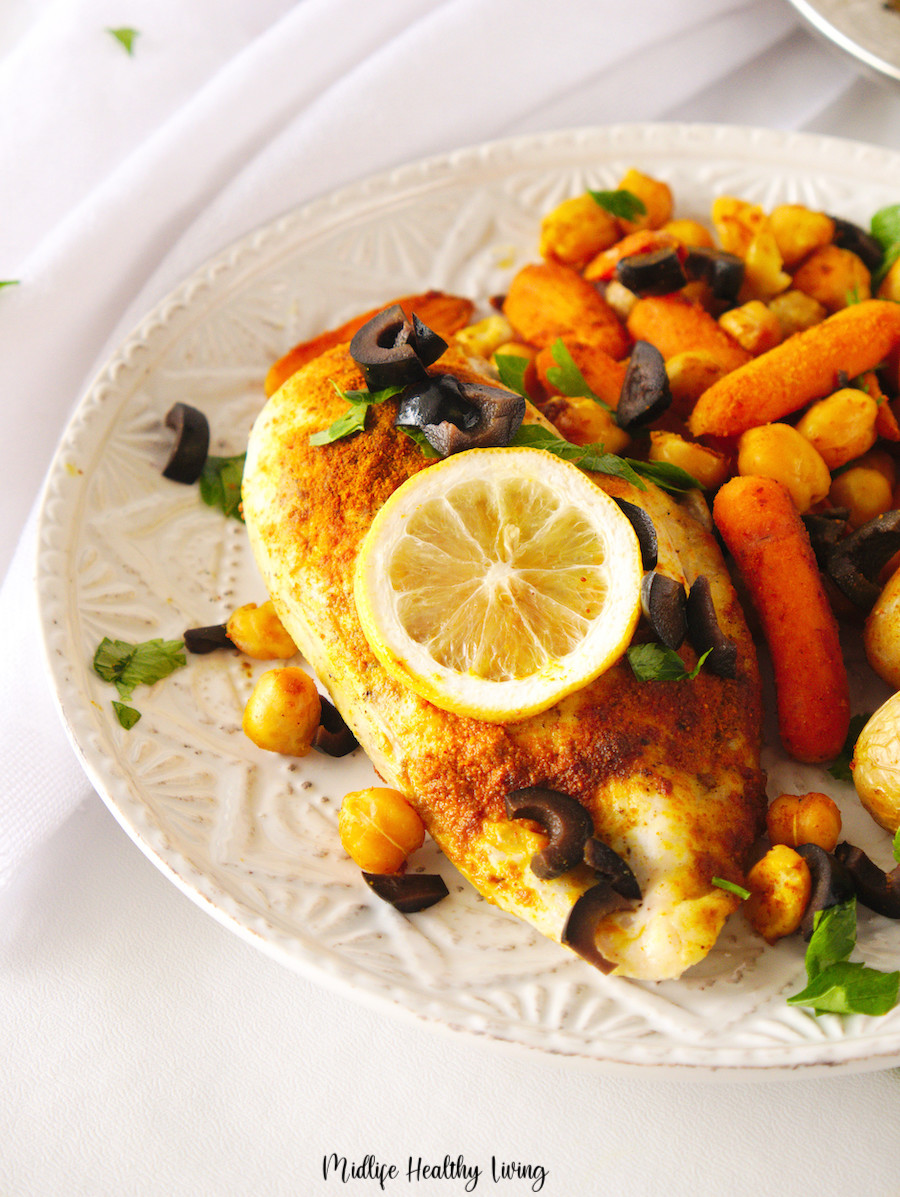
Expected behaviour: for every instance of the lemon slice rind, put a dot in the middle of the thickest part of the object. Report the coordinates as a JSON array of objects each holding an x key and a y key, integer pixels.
[{"x": 564, "y": 595}]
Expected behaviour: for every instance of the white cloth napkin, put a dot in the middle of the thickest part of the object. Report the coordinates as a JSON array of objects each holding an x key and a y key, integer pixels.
[{"x": 121, "y": 173}]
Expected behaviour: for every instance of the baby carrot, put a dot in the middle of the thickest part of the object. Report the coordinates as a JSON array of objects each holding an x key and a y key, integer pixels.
[
  {"x": 675, "y": 325},
  {"x": 767, "y": 539},
  {"x": 802, "y": 368},
  {"x": 547, "y": 300}
]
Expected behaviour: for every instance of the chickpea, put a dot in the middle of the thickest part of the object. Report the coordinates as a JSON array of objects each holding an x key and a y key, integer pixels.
[
  {"x": 584, "y": 422},
  {"x": 799, "y": 230},
  {"x": 764, "y": 276},
  {"x": 834, "y": 276},
  {"x": 811, "y": 818},
  {"x": 258, "y": 632},
  {"x": 796, "y": 311},
  {"x": 482, "y": 338},
  {"x": 780, "y": 886},
  {"x": 690, "y": 233},
  {"x": 576, "y": 230},
  {"x": 840, "y": 427},
  {"x": 283, "y": 711},
  {"x": 706, "y": 465},
  {"x": 656, "y": 197},
  {"x": 890, "y": 284},
  {"x": 864, "y": 491},
  {"x": 737, "y": 223},
  {"x": 779, "y": 451},
  {"x": 379, "y": 829},
  {"x": 754, "y": 326},
  {"x": 690, "y": 374}
]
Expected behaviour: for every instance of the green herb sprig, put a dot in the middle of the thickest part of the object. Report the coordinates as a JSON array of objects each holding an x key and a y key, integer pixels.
[
  {"x": 835, "y": 984},
  {"x": 840, "y": 767},
  {"x": 127, "y": 665},
  {"x": 620, "y": 203},
  {"x": 220, "y": 484},
  {"x": 125, "y": 37},
  {"x": 354, "y": 419},
  {"x": 656, "y": 663},
  {"x": 885, "y": 228}
]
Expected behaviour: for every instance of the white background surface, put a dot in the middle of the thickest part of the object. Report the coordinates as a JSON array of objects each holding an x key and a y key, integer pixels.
[{"x": 144, "y": 1049}]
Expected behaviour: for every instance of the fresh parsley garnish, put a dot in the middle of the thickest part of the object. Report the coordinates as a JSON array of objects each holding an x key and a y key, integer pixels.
[
  {"x": 128, "y": 665},
  {"x": 511, "y": 369},
  {"x": 126, "y": 715},
  {"x": 731, "y": 887},
  {"x": 885, "y": 228},
  {"x": 835, "y": 984},
  {"x": 220, "y": 483},
  {"x": 656, "y": 663},
  {"x": 417, "y": 435},
  {"x": 568, "y": 379},
  {"x": 624, "y": 204},
  {"x": 588, "y": 457},
  {"x": 354, "y": 418},
  {"x": 667, "y": 477},
  {"x": 9, "y": 282},
  {"x": 125, "y": 37},
  {"x": 840, "y": 767}
]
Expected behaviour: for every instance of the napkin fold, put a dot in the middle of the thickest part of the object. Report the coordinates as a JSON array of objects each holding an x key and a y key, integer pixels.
[{"x": 131, "y": 170}]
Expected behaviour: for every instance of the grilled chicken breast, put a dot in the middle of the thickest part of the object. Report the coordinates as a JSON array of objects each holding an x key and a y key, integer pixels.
[{"x": 668, "y": 770}]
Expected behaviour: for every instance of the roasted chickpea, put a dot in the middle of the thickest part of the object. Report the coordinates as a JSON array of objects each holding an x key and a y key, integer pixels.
[
  {"x": 737, "y": 223},
  {"x": 283, "y": 711},
  {"x": 379, "y": 829},
  {"x": 576, "y": 230},
  {"x": 864, "y": 491},
  {"x": 690, "y": 232},
  {"x": 799, "y": 230},
  {"x": 706, "y": 465},
  {"x": 780, "y": 886},
  {"x": 656, "y": 197},
  {"x": 890, "y": 284},
  {"x": 690, "y": 374},
  {"x": 754, "y": 326},
  {"x": 584, "y": 422},
  {"x": 811, "y": 818},
  {"x": 482, "y": 338},
  {"x": 779, "y": 451},
  {"x": 796, "y": 311},
  {"x": 764, "y": 276},
  {"x": 840, "y": 427},
  {"x": 258, "y": 632},
  {"x": 834, "y": 276}
]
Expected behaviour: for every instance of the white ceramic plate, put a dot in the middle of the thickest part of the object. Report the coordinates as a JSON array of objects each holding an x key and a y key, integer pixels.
[
  {"x": 251, "y": 836},
  {"x": 869, "y": 30}
]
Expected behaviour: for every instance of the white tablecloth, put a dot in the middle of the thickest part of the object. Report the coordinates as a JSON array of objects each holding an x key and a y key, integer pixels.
[{"x": 143, "y": 1048}]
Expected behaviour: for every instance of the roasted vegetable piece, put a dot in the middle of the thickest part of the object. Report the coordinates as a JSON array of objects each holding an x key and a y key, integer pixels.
[
  {"x": 876, "y": 765},
  {"x": 675, "y": 325},
  {"x": 799, "y": 370},
  {"x": 780, "y": 886},
  {"x": 548, "y": 300},
  {"x": 766, "y": 536}
]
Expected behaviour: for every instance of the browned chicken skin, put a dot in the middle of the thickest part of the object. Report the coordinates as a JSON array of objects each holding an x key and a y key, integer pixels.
[{"x": 668, "y": 770}]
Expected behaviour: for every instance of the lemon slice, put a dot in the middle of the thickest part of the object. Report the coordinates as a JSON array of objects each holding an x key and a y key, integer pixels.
[{"x": 497, "y": 581}]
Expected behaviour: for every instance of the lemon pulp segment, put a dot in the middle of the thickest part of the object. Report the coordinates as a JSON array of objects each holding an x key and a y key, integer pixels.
[{"x": 497, "y": 581}]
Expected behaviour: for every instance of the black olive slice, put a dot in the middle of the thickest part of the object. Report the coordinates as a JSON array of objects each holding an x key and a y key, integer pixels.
[
  {"x": 848, "y": 235},
  {"x": 422, "y": 405},
  {"x": 855, "y": 562},
  {"x": 664, "y": 603},
  {"x": 875, "y": 888},
  {"x": 644, "y": 530},
  {"x": 426, "y": 342},
  {"x": 580, "y": 930},
  {"x": 645, "y": 390},
  {"x": 721, "y": 271},
  {"x": 490, "y": 416},
  {"x": 191, "y": 447},
  {"x": 408, "y": 892},
  {"x": 825, "y": 530},
  {"x": 207, "y": 640},
  {"x": 333, "y": 736},
  {"x": 568, "y": 824},
  {"x": 704, "y": 631},
  {"x": 832, "y": 884},
  {"x": 385, "y": 351},
  {"x": 611, "y": 868},
  {"x": 658, "y": 272}
]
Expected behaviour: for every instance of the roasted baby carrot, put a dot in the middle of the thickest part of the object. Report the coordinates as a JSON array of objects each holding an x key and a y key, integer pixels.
[
  {"x": 445, "y": 314},
  {"x": 804, "y": 367},
  {"x": 547, "y": 300},
  {"x": 603, "y": 374},
  {"x": 767, "y": 539},
  {"x": 675, "y": 325}
]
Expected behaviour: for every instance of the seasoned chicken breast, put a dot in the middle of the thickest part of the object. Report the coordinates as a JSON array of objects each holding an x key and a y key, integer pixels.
[{"x": 669, "y": 771}]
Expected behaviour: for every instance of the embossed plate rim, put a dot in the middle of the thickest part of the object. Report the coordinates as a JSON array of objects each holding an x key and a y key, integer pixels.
[{"x": 802, "y": 159}]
